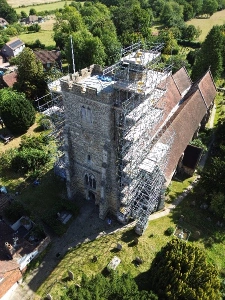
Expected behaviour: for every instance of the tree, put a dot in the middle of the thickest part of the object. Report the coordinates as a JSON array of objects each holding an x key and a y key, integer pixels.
[
  {"x": 23, "y": 14},
  {"x": 32, "y": 12},
  {"x": 7, "y": 12},
  {"x": 209, "y": 7},
  {"x": 210, "y": 54},
  {"x": 188, "y": 12},
  {"x": 180, "y": 271},
  {"x": 190, "y": 32},
  {"x": 67, "y": 21},
  {"x": 172, "y": 14},
  {"x": 31, "y": 78},
  {"x": 87, "y": 50},
  {"x": 114, "y": 287},
  {"x": 16, "y": 111}
]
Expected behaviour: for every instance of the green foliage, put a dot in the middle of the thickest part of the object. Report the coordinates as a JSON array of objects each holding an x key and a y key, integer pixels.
[
  {"x": 6, "y": 159},
  {"x": 83, "y": 41},
  {"x": 29, "y": 160},
  {"x": 7, "y": 12},
  {"x": 32, "y": 12},
  {"x": 218, "y": 204},
  {"x": 15, "y": 211},
  {"x": 112, "y": 287},
  {"x": 23, "y": 14},
  {"x": 198, "y": 143},
  {"x": 34, "y": 27},
  {"x": 16, "y": 111},
  {"x": 32, "y": 154},
  {"x": 211, "y": 54},
  {"x": 31, "y": 78},
  {"x": 181, "y": 271},
  {"x": 169, "y": 231}
]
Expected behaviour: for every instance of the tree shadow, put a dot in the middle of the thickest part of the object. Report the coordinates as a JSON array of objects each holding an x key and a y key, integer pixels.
[
  {"x": 128, "y": 236},
  {"x": 198, "y": 219}
]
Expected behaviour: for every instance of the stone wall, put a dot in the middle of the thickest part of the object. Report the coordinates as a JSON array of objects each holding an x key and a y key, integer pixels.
[{"x": 90, "y": 145}]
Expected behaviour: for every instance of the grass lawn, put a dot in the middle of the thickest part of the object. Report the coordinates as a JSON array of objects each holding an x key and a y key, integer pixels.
[
  {"x": 206, "y": 24},
  {"x": 45, "y": 37},
  {"x": 78, "y": 259},
  {"x": 38, "y": 5}
]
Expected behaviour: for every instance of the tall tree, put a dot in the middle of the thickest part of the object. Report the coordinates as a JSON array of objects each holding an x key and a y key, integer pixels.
[
  {"x": 7, "y": 12},
  {"x": 67, "y": 21},
  {"x": 31, "y": 78},
  {"x": 181, "y": 271},
  {"x": 87, "y": 50},
  {"x": 210, "y": 54},
  {"x": 16, "y": 111}
]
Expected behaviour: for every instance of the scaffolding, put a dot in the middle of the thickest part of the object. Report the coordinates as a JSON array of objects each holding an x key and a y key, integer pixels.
[
  {"x": 51, "y": 107},
  {"x": 140, "y": 86}
]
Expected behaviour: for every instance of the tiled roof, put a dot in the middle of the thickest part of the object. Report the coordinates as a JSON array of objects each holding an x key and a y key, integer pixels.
[
  {"x": 182, "y": 80},
  {"x": 7, "y": 265},
  {"x": 47, "y": 56},
  {"x": 10, "y": 79},
  {"x": 185, "y": 121}
]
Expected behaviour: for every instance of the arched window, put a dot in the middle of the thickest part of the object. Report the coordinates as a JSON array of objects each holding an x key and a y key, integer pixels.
[{"x": 90, "y": 181}]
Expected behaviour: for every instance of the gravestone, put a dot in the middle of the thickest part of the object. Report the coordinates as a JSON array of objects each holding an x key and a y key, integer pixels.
[
  {"x": 71, "y": 275},
  {"x": 119, "y": 246}
]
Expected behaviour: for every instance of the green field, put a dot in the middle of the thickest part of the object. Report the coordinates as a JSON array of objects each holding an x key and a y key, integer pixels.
[
  {"x": 42, "y": 7},
  {"x": 206, "y": 24},
  {"x": 45, "y": 36}
]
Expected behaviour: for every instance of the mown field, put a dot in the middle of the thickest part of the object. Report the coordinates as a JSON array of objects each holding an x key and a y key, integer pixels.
[
  {"x": 206, "y": 24},
  {"x": 42, "y": 6},
  {"x": 30, "y": 3},
  {"x": 45, "y": 37}
]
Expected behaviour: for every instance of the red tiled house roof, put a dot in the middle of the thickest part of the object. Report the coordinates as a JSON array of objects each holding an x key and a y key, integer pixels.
[
  {"x": 9, "y": 275},
  {"x": 9, "y": 79}
]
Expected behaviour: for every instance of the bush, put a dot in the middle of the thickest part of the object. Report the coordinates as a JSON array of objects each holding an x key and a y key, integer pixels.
[
  {"x": 15, "y": 211},
  {"x": 17, "y": 112},
  {"x": 29, "y": 159},
  {"x": 169, "y": 231}
]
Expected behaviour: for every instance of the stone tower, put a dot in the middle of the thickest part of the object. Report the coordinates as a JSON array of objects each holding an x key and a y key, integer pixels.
[
  {"x": 90, "y": 140},
  {"x": 114, "y": 154}
]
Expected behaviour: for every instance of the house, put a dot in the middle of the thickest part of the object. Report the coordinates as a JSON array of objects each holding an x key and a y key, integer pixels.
[
  {"x": 31, "y": 19},
  {"x": 127, "y": 128},
  {"x": 49, "y": 58},
  {"x": 10, "y": 275},
  {"x": 19, "y": 244},
  {"x": 12, "y": 48},
  {"x": 3, "y": 23},
  {"x": 8, "y": 79}
]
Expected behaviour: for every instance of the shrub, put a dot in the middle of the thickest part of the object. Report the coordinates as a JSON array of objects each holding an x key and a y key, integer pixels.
[
  {"x": 169, "y": 231},
  {"x": 15, "y": 211},
  {"x": 16, "y": 111}
]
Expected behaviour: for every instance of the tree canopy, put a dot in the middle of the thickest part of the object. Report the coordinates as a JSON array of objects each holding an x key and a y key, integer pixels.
[
  {"x": 114, "y": 287},
  {"x": 211, "y": 54},
  {"x": 16, "y": 111},
  {"x": 7, "y": 12},
  {"x": 181, "y": 271},
  {"x": 31, "y": 78}
]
